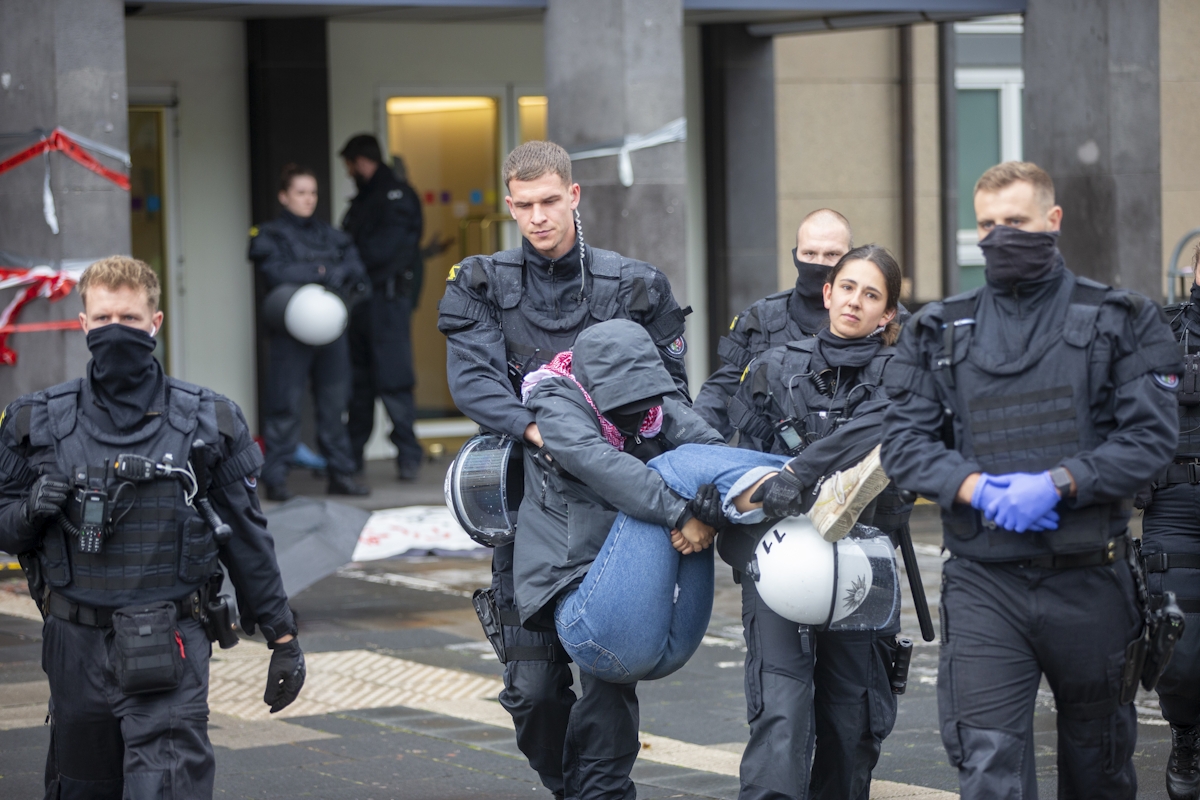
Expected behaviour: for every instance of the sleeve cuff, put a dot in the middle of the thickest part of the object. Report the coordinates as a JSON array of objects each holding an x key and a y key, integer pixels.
[
  {"x": 520, "y": 421},
  {"x": 949, "y": 494}
]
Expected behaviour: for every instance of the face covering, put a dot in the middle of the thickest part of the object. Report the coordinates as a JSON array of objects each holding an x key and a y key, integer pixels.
[
  {"x": 123, "y": 373},
  {"x": 839, "y": 352},
  {"x": 1016, "y": 256},
  {"x": 811, "y": 277}
]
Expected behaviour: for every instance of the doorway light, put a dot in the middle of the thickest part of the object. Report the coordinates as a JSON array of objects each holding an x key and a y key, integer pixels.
[
  {"x": 427, "y": 105},
  {"x": 531, "y": 100}
]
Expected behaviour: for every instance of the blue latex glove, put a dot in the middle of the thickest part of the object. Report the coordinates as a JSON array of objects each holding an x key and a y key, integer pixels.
[
  {"x": 988, "y": 490},
  {"x": 1026, "y": 504}
]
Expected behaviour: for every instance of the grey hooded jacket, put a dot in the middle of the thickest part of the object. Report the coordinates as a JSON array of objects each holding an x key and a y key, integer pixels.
[{"x": 572, "y": 501}]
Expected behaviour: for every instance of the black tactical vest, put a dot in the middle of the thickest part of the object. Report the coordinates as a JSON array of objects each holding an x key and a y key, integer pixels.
[
  {"x": 159, "y": 548},
  {"x": 796, "y": 401},
  {"x": 1185, "y": 323},
  {"x": 768, "y": 324},
  {"x": 1024, "y": 416},
  {"x": 533, "y": 339}
]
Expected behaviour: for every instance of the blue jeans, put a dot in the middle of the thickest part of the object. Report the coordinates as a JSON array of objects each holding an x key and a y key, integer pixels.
[{"x": 643, "y": 608}]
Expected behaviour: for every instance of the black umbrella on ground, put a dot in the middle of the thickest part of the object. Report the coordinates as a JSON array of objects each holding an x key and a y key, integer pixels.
[{"x": 313, "y": 538}]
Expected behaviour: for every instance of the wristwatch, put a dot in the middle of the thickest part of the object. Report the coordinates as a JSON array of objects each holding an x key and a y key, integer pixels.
[{"x": 1062, "y": 481}]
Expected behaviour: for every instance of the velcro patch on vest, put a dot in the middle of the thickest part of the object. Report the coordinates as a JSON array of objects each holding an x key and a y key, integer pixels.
[
  {"x": 677, "y": 348},
  {"x": 1169, "y": 382}
]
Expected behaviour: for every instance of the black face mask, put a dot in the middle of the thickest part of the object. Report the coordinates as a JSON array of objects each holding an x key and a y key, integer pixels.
[
  {"x": 1016, "y": 256},
  {"x": 628, "y": 424},
  {"x": 123, "y": 373},
  {"x": 811, "y": 278},
  {"x": 839, "y": 352}
]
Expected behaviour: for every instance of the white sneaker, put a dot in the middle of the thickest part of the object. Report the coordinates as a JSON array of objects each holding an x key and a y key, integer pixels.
[{"x": 844, "y": 495}]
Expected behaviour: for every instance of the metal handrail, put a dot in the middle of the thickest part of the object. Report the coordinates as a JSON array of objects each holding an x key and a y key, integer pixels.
[
  {"x": 485, "y": 223},
  {"x": 1174, "y": 273}
]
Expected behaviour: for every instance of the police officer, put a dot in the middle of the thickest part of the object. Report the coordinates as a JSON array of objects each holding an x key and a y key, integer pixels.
[
  {"x": 1031, "y": 410},
  {"x": 821, "y": 400},
  {"x": 298, "y": 248},
  {"x": 385, "y": 220},
  {"x": 823, "y": 237},
  {"x": 100, "y": 481},
  {"x": 1171, "y": 552},
  {"x": 504, "y": 316}
]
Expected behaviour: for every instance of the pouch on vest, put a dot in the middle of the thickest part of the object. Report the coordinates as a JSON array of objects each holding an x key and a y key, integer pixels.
[
  {"x": 149, "y": 649},
  {"x": 198, "y": 555},
  {"x": 1189, "y": 387}
]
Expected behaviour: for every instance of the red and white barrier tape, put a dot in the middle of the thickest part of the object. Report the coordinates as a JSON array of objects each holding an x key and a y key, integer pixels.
[{"x": 42, "y": 281}]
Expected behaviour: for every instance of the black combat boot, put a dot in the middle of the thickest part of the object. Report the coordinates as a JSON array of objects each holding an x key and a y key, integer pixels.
[
  {"x": 345, "y": 485},
  {"x": 1183, "y": 768}
]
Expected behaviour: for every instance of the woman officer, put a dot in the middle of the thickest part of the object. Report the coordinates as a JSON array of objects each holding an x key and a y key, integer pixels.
[{"x": 820, "y": 401}]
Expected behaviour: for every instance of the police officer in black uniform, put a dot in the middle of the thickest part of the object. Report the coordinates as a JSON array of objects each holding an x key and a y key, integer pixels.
[
  {"x": 297, "y": 248},
  {"x": 1032, "y": 410},
  {"x": 120, "y": 491},
  {"x": 385, "y": 220},
  {"x": 1171, "y": 553},
  {"x": 504, "y": 316},
  {"x": 821, "y": 399},
  {"x": 823, "y": 237}
]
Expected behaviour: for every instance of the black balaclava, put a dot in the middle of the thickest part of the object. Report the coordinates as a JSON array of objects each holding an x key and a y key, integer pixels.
[
  {"x": 839, "y": 352},
  {"x": 123, "y": 373},
  {"x": 628, "y": 418},
  {"x": 1016, "y": 256},
  {"x": 810, "y": 278}
]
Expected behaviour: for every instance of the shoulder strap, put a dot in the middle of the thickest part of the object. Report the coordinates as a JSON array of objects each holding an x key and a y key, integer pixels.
[
  {"x": 183, "y": 404},
  {"x": 957, "y": 312},
  {"x": 606, "y": 283},
  {"x": 1087, "y": 296},
  {"x": 62, "y": 405},
  {"x": 509, "y": 277},
  {"x": 774, "y": 311}
]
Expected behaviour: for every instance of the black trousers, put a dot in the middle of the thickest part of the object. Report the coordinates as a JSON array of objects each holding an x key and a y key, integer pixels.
[
  {"x": 107, "y": 746},
  {"x": 582, "y": 749},
  {"x": 819, "y": 706},
  {"x": 382, "y": 363},
  {"x": 1003, "y": 627},
  {"x": 291, "y": 367},
  {"x": 1172, "y": 526}
]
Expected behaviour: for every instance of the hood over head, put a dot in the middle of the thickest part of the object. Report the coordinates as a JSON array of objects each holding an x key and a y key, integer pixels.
[{"x": 618, "y": 364}]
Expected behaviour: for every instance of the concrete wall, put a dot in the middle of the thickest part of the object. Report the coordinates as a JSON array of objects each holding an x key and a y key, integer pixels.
[
  {"x": 365, "y": 57},
  {"x": 697, "y": 250},
  {"x": 1179, "y": 73},
  {"x": 206, "y": 64}
]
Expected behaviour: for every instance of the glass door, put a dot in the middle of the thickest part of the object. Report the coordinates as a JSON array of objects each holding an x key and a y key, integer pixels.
[{"x": 147, "y": 198}]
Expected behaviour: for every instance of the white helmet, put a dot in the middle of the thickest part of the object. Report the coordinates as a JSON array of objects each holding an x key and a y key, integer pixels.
[
  {"x": 315, "y": 315},
  {"x": 845, "y": 585}
]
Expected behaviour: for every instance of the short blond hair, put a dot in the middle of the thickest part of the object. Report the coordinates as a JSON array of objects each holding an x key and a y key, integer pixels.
[
  {"x": 117, "y": 271},
  {"x": 532, "y": 160},
  {"x": 1010, "y": 172}
]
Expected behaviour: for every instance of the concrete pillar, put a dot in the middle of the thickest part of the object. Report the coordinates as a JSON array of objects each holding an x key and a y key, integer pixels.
[
  {"x": 742, "y": 196},
  {"x": 1092, "y": 121},
  {"x": 62, "y": 63},
  {"x": 615, "y": 68}
]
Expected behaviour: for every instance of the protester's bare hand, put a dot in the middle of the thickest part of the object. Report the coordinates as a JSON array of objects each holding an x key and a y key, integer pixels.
[
  {"x": 681, "y": 544},
  {"x": 533, "y": 435},
  {"x": 699, "y": 534}
]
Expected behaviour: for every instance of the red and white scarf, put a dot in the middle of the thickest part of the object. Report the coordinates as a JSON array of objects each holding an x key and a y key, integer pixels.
[{"x": 560, "y": 367}]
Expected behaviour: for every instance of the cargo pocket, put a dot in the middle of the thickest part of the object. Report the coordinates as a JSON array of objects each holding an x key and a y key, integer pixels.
[
  {"x": 57, "y": 556},
  {"x": 883, "y": 701},
  {"x": 148, "y": 648},
  {"x": 947, "y": 704},
  {"x": 754, "y": 694},
  {"x": 197, "y": 551}
]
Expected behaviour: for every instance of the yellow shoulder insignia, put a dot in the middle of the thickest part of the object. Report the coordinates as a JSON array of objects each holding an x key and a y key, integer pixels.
[
  {"x": 454, "y": 270},
  {"x": 736, "y": 317},
  {"x": 3, "y": 416},
  {"x": 745, "y": 372},
  {"x": 253, "y": 231}
]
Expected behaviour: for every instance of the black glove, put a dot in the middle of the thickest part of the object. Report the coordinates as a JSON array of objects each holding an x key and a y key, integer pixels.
[
  {"x": 285, "y": 676},
  {"x": 706, "y": 506},
  {"x": 782, "y": 495},
  {"x": 46, "y": 499}
]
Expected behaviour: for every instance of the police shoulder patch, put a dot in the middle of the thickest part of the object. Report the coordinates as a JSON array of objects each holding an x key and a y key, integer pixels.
[
  {"x": 253, "y": 231},
  {"x": 454, "y": 270},
  {"x": 251, "y": 482},
  {"x": 1167, "y": 381},
  {"x": 677, "y": 348},
  {"x": 745, "y": 372},
  {"x": 395, "y": 194},
  {"x": 733, "y": 324}
]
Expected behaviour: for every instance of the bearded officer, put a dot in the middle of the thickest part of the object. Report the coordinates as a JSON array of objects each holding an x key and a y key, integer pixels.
[
  {"x": 1171, "y": 553},
  {"x": 121, "y": 563},
  {"x": 1032, "y": 409},
  {"x": 823, "y": 237},
  {"x": 504, "y": 316}
]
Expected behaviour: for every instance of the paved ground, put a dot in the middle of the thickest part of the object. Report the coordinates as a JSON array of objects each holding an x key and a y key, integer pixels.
[{"x": 400, "y": 698}]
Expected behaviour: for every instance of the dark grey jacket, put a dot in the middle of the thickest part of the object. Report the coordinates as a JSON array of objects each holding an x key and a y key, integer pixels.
[{"x": 571, "y": 503}]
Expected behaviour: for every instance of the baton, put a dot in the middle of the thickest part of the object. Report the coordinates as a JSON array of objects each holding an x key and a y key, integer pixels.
[{"x": 914, "y": 582}]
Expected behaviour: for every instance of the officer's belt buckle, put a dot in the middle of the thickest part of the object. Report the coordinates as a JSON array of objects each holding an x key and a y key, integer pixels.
[
  {"x": 1193, "y": 469},
  {"x": 1156, "y": 563}
]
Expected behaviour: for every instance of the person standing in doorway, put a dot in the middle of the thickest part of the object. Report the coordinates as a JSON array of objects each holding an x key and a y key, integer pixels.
[{"x": 385, "y": 222}]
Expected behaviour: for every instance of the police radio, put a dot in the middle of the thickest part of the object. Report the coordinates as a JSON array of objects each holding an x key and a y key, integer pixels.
[{"x": 93, "y": 517}]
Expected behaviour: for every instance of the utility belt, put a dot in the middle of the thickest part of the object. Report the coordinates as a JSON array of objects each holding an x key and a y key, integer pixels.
[
  {"x": 1180, "y": 472},
  {"x": 58, "y": 606},
  {"x": 1161, "y": 562},
  {"x": 1110, "y": 553},
  {"x": 494, "y": 620}
]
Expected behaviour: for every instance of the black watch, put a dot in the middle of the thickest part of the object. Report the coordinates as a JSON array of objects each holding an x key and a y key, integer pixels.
[{"x": 1062, "y": 481}]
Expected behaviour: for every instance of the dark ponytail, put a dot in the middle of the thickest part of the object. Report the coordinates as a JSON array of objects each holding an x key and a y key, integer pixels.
[{"x": 881, "y": 258}]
